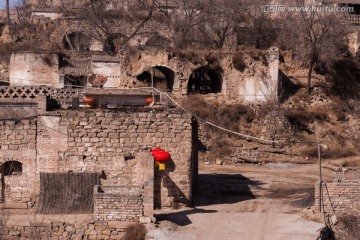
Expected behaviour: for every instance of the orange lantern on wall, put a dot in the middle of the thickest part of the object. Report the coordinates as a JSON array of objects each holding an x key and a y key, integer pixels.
[
  {"x": 149, "y": 100},
  {"x": 161, "y": 157},
  {"x": 89, "y": 101}
]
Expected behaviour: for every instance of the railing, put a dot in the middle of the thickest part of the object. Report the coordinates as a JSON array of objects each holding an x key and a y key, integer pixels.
[
  {"x": 352, "y": 18},
  {"x": 32, "y": 93}
]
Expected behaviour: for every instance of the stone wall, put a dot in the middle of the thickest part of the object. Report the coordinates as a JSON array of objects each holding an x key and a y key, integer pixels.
[
  {"x": 107, "y": 141},
  {"x": 59, "y": 230},
  {"x": 100, "y": 141},
  {"x": 339, "y": 197},
  {"x": 18, "y": 143},
  {"x": 118, "y": 203}
]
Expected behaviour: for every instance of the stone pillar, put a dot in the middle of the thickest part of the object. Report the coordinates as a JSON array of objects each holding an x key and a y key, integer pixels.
[
  {"x": 273, "y": 81},
  {"x": 354, "y": 39},
  {"x": 145, "y": 179}
]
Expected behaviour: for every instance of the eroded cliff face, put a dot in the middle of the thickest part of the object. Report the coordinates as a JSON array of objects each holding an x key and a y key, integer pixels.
[{"x": 218, "y": 76}]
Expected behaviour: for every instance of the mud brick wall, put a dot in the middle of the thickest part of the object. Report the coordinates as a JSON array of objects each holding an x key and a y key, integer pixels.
[
  {"x": 105, "y": 141},
  {"x": 18, "y": 143},
  {"x": 343, "y": 197},
  {"x": 118, "y": 203}
]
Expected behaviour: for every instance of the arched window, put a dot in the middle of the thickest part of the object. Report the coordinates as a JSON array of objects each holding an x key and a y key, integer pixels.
[
  {"x": 10, "y": 168},
  {"x": 205, "y": 80},
  {"x": 163, "y": 78}
]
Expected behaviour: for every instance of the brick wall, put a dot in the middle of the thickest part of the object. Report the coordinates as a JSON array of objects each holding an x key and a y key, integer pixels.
[
  {"x": 57, "y": 230},
  {"x": 18, "y": 143},
  {"x": 340, "y": 197},
  {"x": 118, "y": 203},
  {"x": 106, "y": 141}
]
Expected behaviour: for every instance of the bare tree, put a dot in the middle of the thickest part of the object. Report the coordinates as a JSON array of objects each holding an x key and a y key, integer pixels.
[
  {"x": 223, "y": 17},
  {"x": 187, "y": 21},
  {"x": 315, "y": 36},
  {"x": 115, "y": 24},
  {"x": 8, "y": 11}
]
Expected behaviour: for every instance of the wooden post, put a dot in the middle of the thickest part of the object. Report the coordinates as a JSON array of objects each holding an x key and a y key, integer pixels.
[{"x": 320, "y": 175}]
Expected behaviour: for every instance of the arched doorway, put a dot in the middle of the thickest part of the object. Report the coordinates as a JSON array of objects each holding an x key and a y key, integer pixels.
[
  {"x": 163, "y": 78},
  {"x": 76, "y": 41},
  {"x": 205, "y": 80}
]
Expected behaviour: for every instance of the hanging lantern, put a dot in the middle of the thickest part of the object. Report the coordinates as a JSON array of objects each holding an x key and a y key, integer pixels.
[
  {"x": 161, "y": 157},
  {"x": 156, "y": 150},
  {"x": 89, "y": 101},
  {"x": 150, "y": 100}
]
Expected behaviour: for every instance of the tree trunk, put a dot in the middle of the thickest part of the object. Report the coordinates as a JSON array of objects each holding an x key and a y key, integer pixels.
[
  {"x": 8, "y": 11},
  {"x": 311, "y": 67}
]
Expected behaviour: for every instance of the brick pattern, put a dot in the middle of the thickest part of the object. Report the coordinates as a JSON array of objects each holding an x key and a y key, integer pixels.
[
  {"x": 61, "y": 230},
  {"x": 99, "y": 140},
  {"x": 18, "y": 143},
  {"x": 340, "y": 197},
  {"x": 102, "y": 141},
  {"x": 32, "y": 93},
  {"x": 117, "y": 203}
]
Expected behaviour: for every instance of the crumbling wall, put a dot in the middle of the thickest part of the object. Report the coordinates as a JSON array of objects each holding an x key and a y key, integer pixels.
[
  {"x": 339, "y": 197},
  {"x": 34, "y": 69},
  {"x": 255, "y": 80}
]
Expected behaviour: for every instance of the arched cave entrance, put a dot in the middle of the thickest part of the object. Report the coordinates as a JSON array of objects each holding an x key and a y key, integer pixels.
[
  {"x": 205, "y": 80},
  {"x": 10, "y": 168},
  {"x": 76, "y": 41},
  {"x": 163, "y": 78}
]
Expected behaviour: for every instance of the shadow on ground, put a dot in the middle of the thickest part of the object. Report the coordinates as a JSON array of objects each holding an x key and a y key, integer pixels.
[
  {"x": 301, "y": 197},
  {"x": 214, "y": 189},
  {"x": 181, "y": 218},
  {"x": 223, "y": 189}
]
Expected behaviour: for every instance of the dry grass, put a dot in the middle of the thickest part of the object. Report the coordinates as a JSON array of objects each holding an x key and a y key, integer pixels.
[
  {"x": 301, "y": 118},
  {"x": 189, "y": 56},
  {"x": 136, "y": 231},
  {"x": 227, "y": 116},
  {"x": 332, "y": 153},
  {"x": 348, "y": 227}
]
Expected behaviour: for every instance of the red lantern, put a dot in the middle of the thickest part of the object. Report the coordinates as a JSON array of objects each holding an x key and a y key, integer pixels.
[
  {"x": 149, "y": 100},
  {"x": 89, "y": 101},
  {"x": 156, "y": 150},
  {"x": 162, "y": 156}
]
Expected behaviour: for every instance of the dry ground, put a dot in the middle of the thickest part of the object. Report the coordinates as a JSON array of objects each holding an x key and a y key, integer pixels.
[{"x": 249, "y": 202}]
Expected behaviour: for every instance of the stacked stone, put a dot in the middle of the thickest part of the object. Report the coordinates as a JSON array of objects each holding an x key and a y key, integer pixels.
[
  {"x": 18, "y": 143},
  {"x": 123, "y": 204},
  {"x": 339, "y": 197},
  {"x": 62, "y": 230},
  {"x": 17, "y": 135},
  {"x": 98, "y": 140}
]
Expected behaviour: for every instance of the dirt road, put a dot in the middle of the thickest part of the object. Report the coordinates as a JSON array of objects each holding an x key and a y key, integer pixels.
[{"x": 246, "y": 202}]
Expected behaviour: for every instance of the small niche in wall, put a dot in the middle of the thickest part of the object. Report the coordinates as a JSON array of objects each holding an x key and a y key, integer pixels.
[{"x": 11, "y": 168}]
